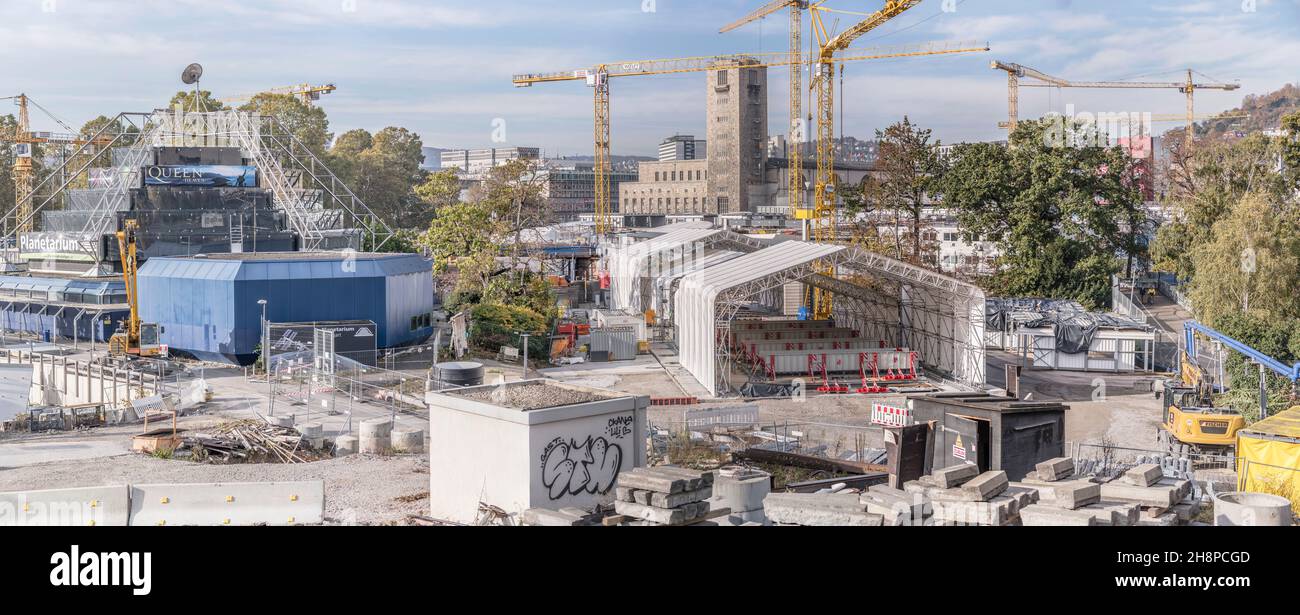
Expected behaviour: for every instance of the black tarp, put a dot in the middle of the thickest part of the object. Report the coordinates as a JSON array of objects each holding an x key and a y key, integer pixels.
[{"x": 1075, "y": 327}]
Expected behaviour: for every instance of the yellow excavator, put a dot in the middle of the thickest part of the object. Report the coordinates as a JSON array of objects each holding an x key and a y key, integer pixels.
[
  {"x": 133, "y": 338},
  {"x": 1191, "y": 424}
]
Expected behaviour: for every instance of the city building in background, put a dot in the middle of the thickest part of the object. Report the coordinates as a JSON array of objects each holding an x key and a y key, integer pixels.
[
  {"x": 737, "y": 136},
  {"x": 473, "y": 163},
  {"x": 682, "y": 147}
]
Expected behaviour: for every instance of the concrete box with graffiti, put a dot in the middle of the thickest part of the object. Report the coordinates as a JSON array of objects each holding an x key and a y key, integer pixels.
[{"x": 534, "y": 444}]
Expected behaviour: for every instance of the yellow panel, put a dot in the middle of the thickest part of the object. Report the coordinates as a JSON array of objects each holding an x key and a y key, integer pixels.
[
  {"x": 1282, "y": 424},
  {"x": 1263, "y": 467}
]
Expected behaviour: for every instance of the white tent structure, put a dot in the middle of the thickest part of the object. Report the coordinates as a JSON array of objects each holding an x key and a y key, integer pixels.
[
  {"x": 633, "y": 266},
  {"x": 939, "y": 317}
]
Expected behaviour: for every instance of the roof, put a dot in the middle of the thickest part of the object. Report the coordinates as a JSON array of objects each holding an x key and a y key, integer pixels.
[
  {"x": 1285, "y": 424},
  {"x": 285, "y": 265}
]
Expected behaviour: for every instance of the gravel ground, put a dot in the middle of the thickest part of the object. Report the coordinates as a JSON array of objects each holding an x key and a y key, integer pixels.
[
  {"x": 532, "y": 396},
  {"x": 359, "y": 489}
]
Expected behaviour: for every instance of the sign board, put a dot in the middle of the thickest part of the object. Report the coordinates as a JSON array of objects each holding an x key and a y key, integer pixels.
[
  {"x": 353, "y": 340},
  {"x": 890, "y": 416},
  {"x": 61, "y": 246},
  {"x": 207, "y": 176},
  {"x": 737, "y": 416}
]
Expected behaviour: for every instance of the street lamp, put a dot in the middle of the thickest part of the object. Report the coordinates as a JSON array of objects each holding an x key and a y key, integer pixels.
[{"x": 266, "y": 362}]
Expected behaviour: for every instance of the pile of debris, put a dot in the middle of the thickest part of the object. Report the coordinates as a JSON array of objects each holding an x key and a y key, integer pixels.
[
  {"x": 961, "y": 495},
  {"x": 253, "y": 441},
  {"x": 1142, "y": 496}
]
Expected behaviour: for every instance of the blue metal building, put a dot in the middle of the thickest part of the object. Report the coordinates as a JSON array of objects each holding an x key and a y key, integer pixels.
[
  {"x": 54, "y": 308},
  {"x": 208, "y": 305}
]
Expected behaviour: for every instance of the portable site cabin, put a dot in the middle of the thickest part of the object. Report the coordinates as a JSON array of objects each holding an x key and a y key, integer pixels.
[
  {"x": 1269, "y": 454},
  {"x": 993, "y": 433}
]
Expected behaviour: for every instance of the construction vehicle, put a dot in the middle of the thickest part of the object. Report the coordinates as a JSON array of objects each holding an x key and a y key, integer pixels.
[
  {"x": 133, "y": 338},
  {"x": 1191, "y": 423},
  {"x": 1016, "y": 72}
]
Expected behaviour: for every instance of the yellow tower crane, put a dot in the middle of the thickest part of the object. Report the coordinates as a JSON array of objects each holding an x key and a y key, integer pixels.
[
  {"x": 1016, "y": 72},
  {"x": 798, "y": 131},
  {"x": 304, "y": 92},
  {"x": 24, "y": 141},
  {"x": 824, "y": 198},
  {"x": 599, "y": 76}
]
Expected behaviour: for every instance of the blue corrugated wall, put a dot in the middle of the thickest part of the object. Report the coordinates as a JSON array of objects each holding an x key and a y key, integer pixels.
[{"x": 208, "y": 307}]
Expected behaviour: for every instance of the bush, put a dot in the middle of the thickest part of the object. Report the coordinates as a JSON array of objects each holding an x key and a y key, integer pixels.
[{"x": 493, "y": 326}]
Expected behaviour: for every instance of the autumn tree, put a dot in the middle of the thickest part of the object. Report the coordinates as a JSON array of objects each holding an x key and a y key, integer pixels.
[{"x": 200, "y": 101}]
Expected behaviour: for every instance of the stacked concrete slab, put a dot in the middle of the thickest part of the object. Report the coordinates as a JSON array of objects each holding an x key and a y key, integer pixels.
[
  {"x": 1067, "y": 499},
  {"x": 565, "y": 517},
  {"x": 663, "y": 495},
  {"x": 961, "y": 495}
]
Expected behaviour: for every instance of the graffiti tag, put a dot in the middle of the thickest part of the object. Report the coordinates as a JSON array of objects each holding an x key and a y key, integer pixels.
[
  {"x": 569, "y": 468},
  {"x": 619, "y": 427}
]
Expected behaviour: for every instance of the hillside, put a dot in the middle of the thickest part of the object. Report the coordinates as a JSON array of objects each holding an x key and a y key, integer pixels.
[{"x": 1265, "y": 111}]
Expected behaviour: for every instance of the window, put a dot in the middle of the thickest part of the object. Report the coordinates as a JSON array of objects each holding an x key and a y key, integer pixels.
[
  {"x": 722, "y": 78},
  {"x": 950, "y": 236}
]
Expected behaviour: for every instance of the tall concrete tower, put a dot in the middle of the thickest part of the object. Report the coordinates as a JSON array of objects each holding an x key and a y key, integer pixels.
[{"x": 737, "y": 136}]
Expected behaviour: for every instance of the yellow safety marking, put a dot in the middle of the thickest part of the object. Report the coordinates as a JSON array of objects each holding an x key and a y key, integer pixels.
[
  {"x": 230, "y": 498},
  {"x": 290, "y": 519},
  {"x": 94, "y": 503},
  {"x": 293, "y": 498},
  {"x": 166, "y": 500},
  {"x": 225, "y": 522}
]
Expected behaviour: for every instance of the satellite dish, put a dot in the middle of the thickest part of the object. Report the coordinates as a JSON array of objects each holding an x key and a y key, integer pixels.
[{"x": 192, "y": 74}]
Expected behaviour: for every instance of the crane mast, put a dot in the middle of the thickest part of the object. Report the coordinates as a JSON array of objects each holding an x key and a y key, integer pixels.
[{"x": 824, "y": 215}]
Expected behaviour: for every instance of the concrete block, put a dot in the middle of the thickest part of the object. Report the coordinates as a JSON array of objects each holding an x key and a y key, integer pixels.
[
  {"x": 376, "y": 428},
  {"x": 346, "y": 445},
  {"x": 408, "y": 440},
  {"x": 986, "y": 486},
  {"x": 741, "y": 492},
  {"x": 624, "y": 494},
  {"x": 81, "y": 507},
  {"x": 830, "y": 501},
  {"x": 955, "y": 476},
  {"x": 1187, "y": 510},
  {"x": 1055, "y": 469},
  {"x": 375, "y": 446},
  {"x": 274, "y": 504},
  {"x": 663, "y": 516},
  {"x": 1041, "y": 515},
  {"x": 1123, "y": 514},
  {"x": 641, "y": 497},
  {"x": 1024, "y": 496},
  {"x": 1169, "y": 519},
  {"x": 1144, "y": 475},
  {"x": 643, "y": 479},
  {"x": 1076, "y": 495},
  {"x": 313, "y": 434},
  {"x": 664, "y": 500},
  {"x": 788, "y": 514},
  {"x": 972, "y": 513},
  {"x": 1157, "y": 496},
  {"x": 280, "y": 421},
  {"x": 705, "y": 478}
]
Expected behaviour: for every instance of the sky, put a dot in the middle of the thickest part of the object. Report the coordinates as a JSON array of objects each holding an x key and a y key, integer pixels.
[{"x": 443, "y": 69}]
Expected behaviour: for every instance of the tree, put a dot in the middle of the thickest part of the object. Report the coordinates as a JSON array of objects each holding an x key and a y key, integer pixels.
[
  {"x": 305, "y": 122},
  {"x": 1059, "y": 206},
  {"x": 8, "y": 124},
  {"x": 111, "y": 128},
  {"x": 1279, "y": 339},
  {"x": 1205, "y": 186},
  {"x": 1249, "y": 263},
  {"x": 909, "y": 168},
  {"x": 388, "y": 172},
  {"x": 200, "y": 102},
  {"x": 439, "y": 190}
]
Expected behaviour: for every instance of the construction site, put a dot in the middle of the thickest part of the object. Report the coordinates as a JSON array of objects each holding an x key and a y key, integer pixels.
[{"x": 204, "y": 323}]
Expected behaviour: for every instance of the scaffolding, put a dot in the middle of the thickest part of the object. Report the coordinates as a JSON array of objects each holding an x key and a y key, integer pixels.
[{"x": 319, "y": 206}]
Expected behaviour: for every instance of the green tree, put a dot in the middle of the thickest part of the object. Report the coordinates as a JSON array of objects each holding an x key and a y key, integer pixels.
[
  {"x": 1249, "y": 262},
  {"x": 1276, "y": 338},
  {"x": 1059, "y": 210},
  {"x": 197, "y": 102},
  {"x": 441, "y": 189},
  {"x": 111, "y": 128},
  {"x": 909, "y": 169},
  {"x": 8, "y": 125},
  {"x": 307, "y": 123},
  {"x": 387, "y": 173}
]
